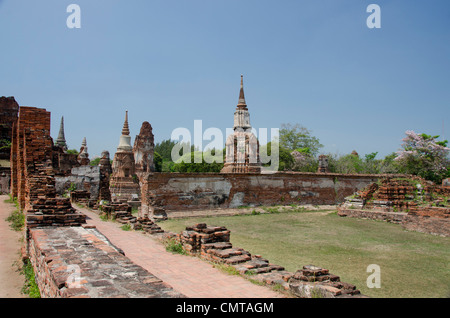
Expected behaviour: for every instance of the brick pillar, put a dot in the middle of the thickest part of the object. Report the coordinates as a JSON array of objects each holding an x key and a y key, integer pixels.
[
  {"x": 14, "y": 158},
  {"x": 31, "y": 145}
]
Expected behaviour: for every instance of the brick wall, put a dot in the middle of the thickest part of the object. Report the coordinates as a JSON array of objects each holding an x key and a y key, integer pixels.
[{"x": 197, "y": 191}]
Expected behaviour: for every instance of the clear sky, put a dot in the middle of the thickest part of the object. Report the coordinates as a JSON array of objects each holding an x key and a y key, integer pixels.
[{"x": 170, "y": 62}]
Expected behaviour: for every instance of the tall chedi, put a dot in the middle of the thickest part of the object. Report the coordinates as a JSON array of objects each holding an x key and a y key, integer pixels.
[
  {"x": 242, "y": 147},
  {"x": 61, "y": 140},
  {"x": 124, "y": 185},
  {"x": 83, "y": 156}
]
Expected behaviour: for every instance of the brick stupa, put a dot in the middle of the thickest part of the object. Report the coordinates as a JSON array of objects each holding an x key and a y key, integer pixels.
[
  {"x": 242, "y": 147},
  {"x": 124, "y": 185}
]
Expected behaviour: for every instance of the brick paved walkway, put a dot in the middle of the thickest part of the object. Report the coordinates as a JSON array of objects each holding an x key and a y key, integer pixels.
[
  {"x": 188, "y": 275},
  {"x": 11, "y": 281}
]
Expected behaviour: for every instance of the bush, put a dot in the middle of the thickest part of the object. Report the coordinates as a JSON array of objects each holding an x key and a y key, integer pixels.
[{"x": 174, "y": 246}]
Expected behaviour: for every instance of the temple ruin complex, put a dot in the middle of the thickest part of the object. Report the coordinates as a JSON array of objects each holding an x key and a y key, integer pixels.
[{"x": 46, "y": 179}]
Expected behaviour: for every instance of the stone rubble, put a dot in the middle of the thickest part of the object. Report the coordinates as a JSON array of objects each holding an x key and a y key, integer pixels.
[{"x": 212, "y": 243}]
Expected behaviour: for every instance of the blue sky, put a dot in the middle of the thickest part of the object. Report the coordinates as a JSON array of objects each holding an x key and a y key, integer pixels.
[{"x": 171, "y": 62}]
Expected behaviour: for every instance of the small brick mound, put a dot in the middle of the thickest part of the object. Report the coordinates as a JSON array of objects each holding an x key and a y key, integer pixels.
[
  {"x": 146, "y": 225},
  {"x": 313, "y": 281}
]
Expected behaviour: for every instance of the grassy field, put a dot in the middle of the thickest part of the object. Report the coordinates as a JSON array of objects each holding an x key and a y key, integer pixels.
[{"x": 412, "y": 264}]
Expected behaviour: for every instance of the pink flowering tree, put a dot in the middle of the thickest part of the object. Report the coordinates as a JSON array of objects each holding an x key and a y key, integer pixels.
[{"x": 422, "y": 155}]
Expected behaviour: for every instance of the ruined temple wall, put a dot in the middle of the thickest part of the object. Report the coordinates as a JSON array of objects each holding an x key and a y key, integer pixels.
[
  {"x": 198, "y": 191},
  {"x": 84, "y": 178}
]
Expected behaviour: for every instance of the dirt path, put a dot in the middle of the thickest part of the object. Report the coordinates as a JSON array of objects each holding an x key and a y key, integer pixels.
[{"x": 11, "y": 280}]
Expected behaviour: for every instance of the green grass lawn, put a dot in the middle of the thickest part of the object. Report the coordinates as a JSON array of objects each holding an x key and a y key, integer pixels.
[{"x": 412, "y": 264}]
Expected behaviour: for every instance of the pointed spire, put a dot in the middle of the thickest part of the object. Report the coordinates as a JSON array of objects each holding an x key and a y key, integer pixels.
[
  {"x": 83, "y": 156},
  {"x": 241, "y": 94},
  {"x": 125, "y": 129},
  {"x": 61, "y": 140},
  {"x": 125, "y": 139},
  {"x": 83, "y": 149}
]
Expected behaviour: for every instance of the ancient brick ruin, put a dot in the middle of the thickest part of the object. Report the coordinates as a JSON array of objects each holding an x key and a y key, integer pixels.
[
  {"x": 83, "y": 156},
  {"x": 40, "y": 171},
  {"x": 143, "y": 150},
  {"x": 124, "y": 184},
  {"x": 413, "y": 202},
  {"x": 104, "y": 193},
  {"x": 70, "y": 259},
  {"x": 33, "y": 179},
  {"x": 323, "y": 164},
  {"x": 9, "y": 110}
]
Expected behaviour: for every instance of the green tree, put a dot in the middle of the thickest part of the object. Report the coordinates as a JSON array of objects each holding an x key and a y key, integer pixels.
[
  {"x": 389, "y": 165},
  {"x": 348, "y": 164},
  {"x": 284, "y": 161},
  {"x": 164, "y": 149},
  {"x": 187, "y": 163},
  {"x": 95, "y": 162},
  {"x": 293, "y": 137},
  {"x": 158, "y": 161}
]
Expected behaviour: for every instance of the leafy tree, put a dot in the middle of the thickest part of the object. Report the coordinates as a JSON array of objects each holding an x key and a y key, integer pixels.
[
  {"x": 293, "y": 137},
  {"x": 389, "y": 165},
  {"x": 158, "y": 161},
  {"x": 304, "y": 160},
  {"x": 164, "y": 149},
  {"x": 424, "y": 156},
  {"x": 283, "y": 162},
  {"x": 187, "y": 163},
  {"x": 349, "y": 164}
]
